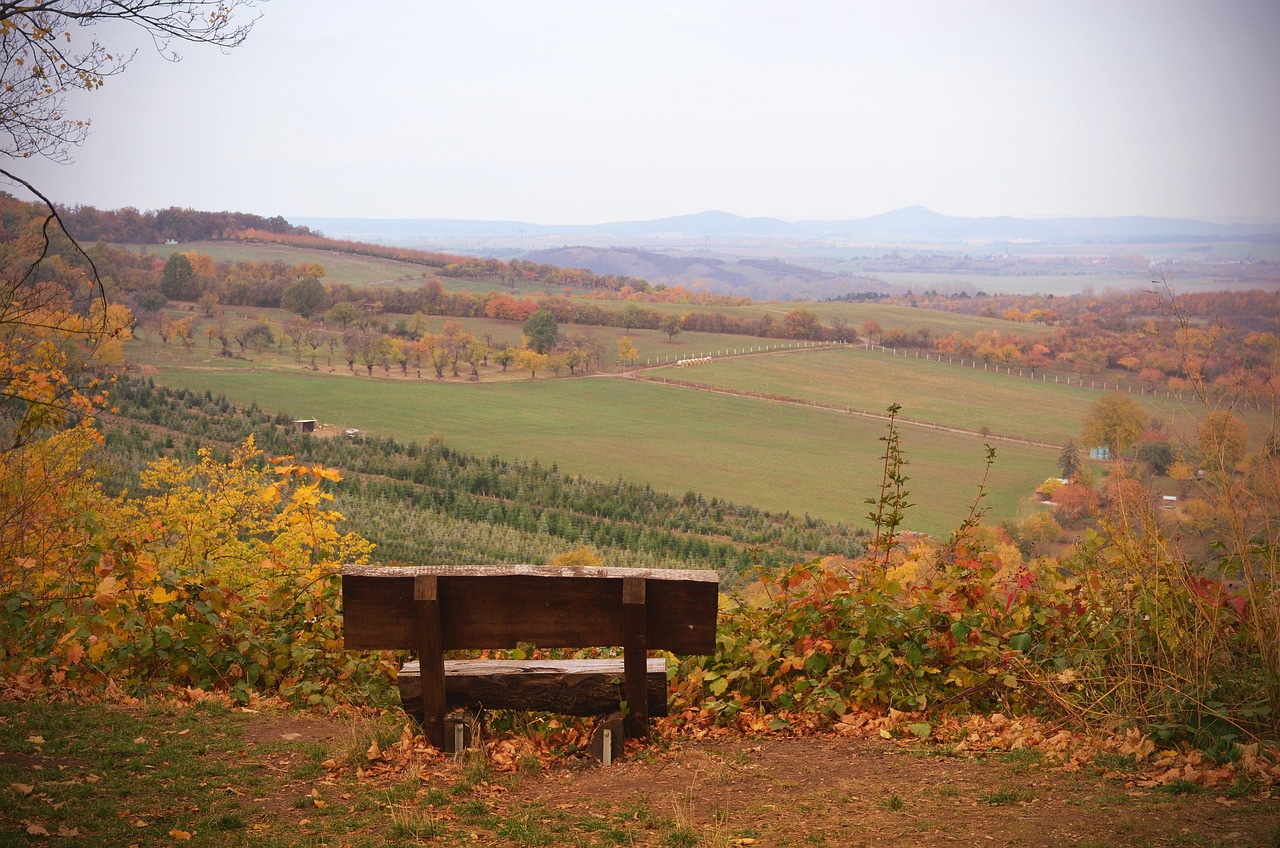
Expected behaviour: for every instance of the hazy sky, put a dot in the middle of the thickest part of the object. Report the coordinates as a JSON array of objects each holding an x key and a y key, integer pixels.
[{"x": 586, "y": 112}]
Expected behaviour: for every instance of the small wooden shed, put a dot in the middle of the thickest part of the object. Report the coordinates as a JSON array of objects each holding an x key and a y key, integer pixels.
[{"x": 305, "y": 425}]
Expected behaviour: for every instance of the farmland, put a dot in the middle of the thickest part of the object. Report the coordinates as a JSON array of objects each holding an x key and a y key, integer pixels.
[
  {"x": 775, "y": 456},
  {"x": 930, "y": 391}
]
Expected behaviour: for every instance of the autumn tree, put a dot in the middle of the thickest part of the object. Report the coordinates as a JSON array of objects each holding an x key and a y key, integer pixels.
[
  {"x": 208, "y": 304},
  {"x": 1114, "y": 421},
  {"x": 671, "y": 326},
  {"x": 627, "y": 350},
  {"x": 801, "y": 324},
  {"x": 530, "y": 360},
  {"x": 437, "y": 352},
  {"x": 45, "y": 56},
  {"x": 1222, "y": 440}
]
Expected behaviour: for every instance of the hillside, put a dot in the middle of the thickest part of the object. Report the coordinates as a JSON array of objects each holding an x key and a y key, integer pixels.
[{"x": 759, "y": 279}]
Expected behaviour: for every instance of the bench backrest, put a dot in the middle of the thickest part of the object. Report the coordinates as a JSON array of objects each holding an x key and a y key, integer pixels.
[{"x": 496, "y": 606}]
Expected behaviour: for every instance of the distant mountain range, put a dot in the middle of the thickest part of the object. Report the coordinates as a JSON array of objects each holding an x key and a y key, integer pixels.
[{"x": 912, "y": 224}]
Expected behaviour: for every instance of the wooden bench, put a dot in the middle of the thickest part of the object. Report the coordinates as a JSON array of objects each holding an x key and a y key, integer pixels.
[{"x": 433, "y": 609}]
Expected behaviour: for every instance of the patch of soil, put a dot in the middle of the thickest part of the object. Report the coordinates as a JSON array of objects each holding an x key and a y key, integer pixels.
[
  {"x": 267, "y": 728},
  {"x": 863, "y": 792},
  {"x": 271, "y": 744},
  {"x": 821, "y": 791}
]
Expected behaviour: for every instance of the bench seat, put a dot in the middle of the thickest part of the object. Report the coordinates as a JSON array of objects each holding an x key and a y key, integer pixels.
[{"x": 572, "y": 687}]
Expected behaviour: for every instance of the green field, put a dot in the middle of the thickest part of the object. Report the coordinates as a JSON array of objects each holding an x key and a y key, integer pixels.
[
  {"x": 939, "y": 393},
  {"x": 775, "y": 456}
]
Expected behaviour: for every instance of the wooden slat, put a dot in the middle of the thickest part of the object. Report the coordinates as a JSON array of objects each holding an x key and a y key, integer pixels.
[
  {"x": 496, "y": 607},
  {"x": 571, "y": 687}
]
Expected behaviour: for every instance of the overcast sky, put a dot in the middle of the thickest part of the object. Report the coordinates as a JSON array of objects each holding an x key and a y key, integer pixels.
[{"x": 588, "y": 112}]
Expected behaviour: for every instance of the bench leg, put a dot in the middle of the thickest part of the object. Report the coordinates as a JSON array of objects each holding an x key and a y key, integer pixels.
[
  {"x": 606, "y": 754},
  {"x": 430, "y": 659},
  {"x": 634, "y": 656}
]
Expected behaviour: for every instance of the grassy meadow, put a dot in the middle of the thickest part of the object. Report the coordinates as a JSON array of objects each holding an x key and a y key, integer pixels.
[{"x": 929, "y": 391}]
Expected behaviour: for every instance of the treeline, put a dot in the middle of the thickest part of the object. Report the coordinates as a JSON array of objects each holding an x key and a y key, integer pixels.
[
  {"x": 87, "y": 224},
  {"x": 1223, "y": 339},
  {"x": 391, "y": 490}
]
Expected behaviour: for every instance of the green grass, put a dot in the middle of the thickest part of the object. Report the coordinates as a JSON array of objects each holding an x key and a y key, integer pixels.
[
  {"x": 929, "y": 391},
  {"x": 1000, "y": 797},
  {"x": 776, "y": 456},
  {"x": 118, "y": 777}
]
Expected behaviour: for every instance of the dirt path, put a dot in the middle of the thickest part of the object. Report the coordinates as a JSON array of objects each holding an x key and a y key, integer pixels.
[
  {"x": 833, "y": 791},
  {"x": 855, "y": 792}
]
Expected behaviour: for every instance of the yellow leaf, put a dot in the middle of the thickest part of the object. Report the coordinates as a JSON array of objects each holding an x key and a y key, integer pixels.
[
  {"x": 180, "y": 835},
  {"x": 36, "y": 740},
  {"x": 107, "y": 590},
  {"x": 161, "y": 595},
  {"x": 99, "y": 649},
  {"x": 23, "y": 788}
]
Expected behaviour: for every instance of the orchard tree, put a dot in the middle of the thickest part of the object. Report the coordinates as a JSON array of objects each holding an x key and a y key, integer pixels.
[
  {"x": 1114, "y": 421},
  {"x": 305, "y": 297},
  {"x": 344, "y": 314},
  {"x": 541, "y": 329},
  {"x": 627, "y": 350},
  {"x": 671, "y": 326}
]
